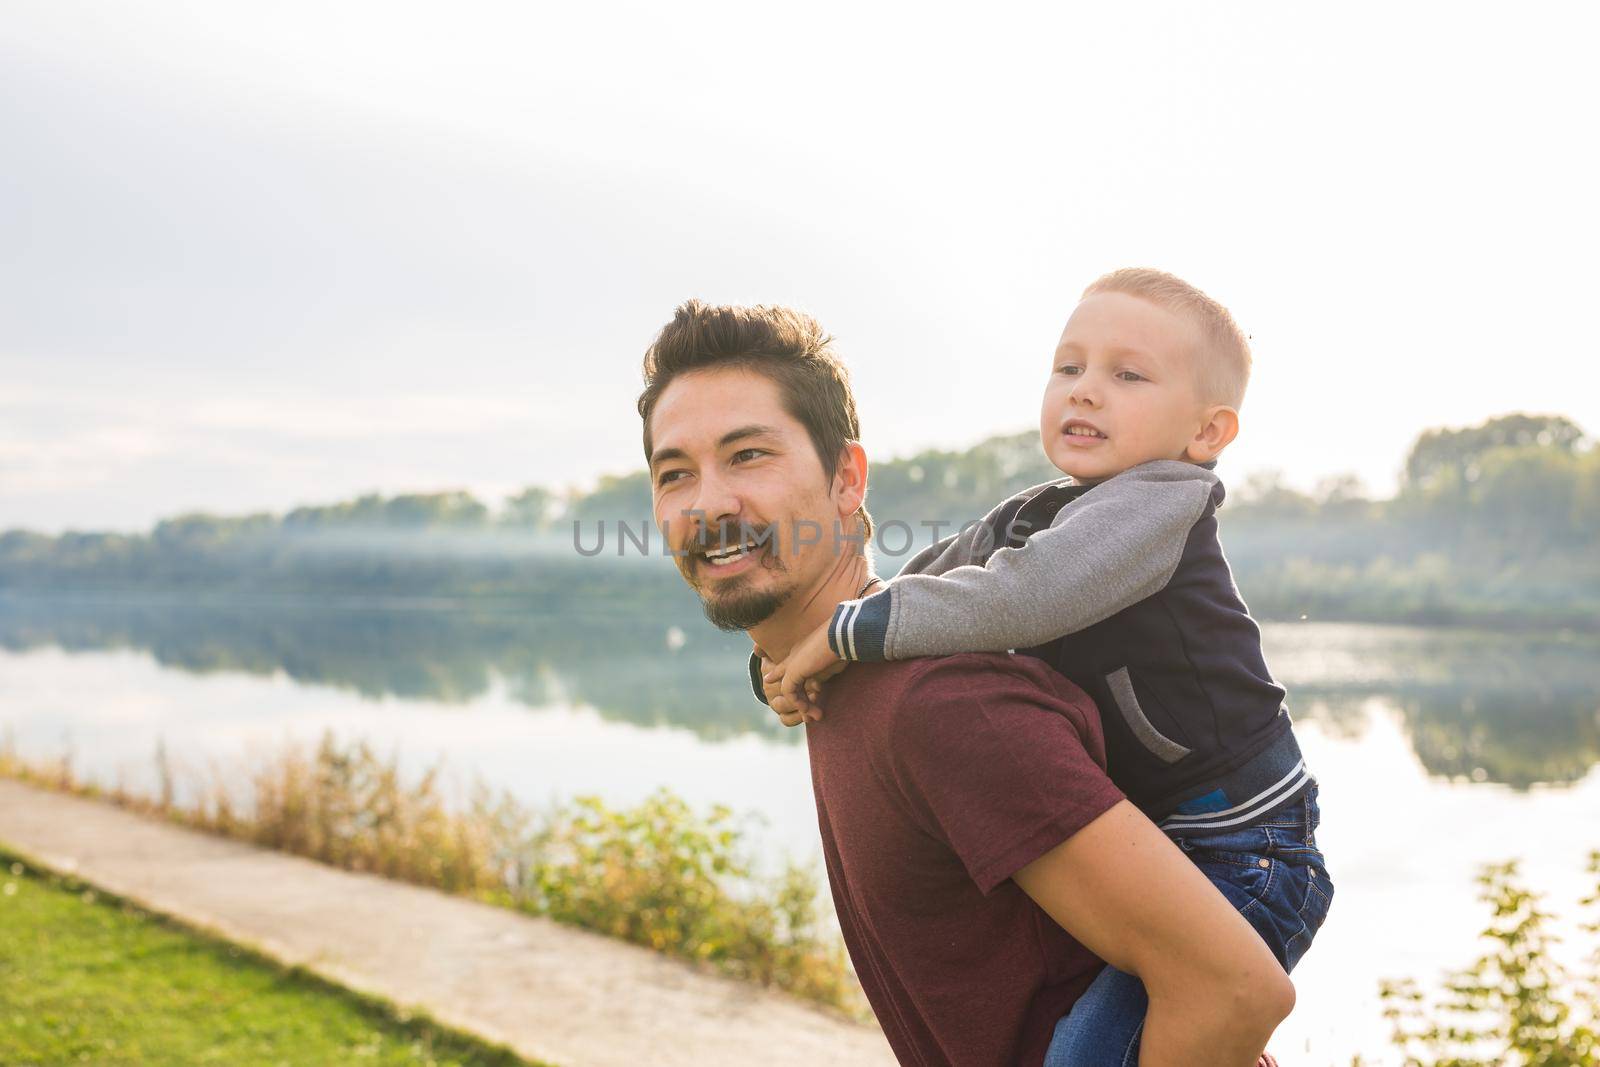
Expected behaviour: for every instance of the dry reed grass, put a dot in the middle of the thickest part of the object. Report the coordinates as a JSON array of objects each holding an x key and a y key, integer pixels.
[{"x": 657, "y": 874}]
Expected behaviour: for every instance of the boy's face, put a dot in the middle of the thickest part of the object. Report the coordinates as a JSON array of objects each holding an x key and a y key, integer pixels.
[{"x": 1123, "y": 377}]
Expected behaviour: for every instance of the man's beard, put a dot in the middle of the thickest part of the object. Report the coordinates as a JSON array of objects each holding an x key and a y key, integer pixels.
[
  {"x": 741, "y": 610},
  {"x": 739, "y": 607}
]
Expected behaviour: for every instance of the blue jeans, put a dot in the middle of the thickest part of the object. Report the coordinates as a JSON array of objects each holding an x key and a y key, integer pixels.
[{"x": 1271, "y": 871}]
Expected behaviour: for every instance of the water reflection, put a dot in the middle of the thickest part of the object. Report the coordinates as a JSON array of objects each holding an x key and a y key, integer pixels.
[
  {"x": 663, "y": 670},
  {"x": 1517, "y": 709},
  {"x": 1480, "y": 706}
]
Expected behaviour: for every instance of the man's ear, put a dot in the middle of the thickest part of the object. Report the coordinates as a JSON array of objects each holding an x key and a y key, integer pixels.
[
  {"x": 1220, "y": 427},
  {"x": 850, "y": 478}
]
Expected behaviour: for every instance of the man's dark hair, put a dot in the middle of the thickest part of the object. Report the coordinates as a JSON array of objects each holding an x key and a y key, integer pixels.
[{"x": 787, "y": 346}]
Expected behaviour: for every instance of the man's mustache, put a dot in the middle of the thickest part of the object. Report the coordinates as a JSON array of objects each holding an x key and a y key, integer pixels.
[
  {"x": 701, "y": 540},
  {"x": 691, "y": 536}
]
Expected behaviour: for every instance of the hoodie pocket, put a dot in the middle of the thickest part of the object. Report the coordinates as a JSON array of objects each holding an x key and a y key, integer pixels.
[{"x": 1160, "y": 745}]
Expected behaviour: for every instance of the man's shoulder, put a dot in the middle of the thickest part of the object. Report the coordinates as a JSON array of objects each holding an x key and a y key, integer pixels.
[
  {"x": 929, "y": 685},
  {"x": 935, "y": 709}
]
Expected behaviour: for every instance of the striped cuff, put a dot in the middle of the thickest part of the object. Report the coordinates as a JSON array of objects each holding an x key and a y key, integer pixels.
[
  {"x": 860, "y": 628},
  {"x": 755, "y": 678}
]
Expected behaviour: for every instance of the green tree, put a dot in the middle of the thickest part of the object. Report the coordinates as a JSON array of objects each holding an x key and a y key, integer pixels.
[
  {"x": 615, "y": 497},
  {"x": 1530, "y": 490},
  {"x": 1586, "y": 493},
  {"x": 365, "y": 510},
  {"x": 1440, "y": 452},
  {"x": 1515, "y": 1004},
  {"x": 1267, "y": 494},
  {"x": 422, "y": 510},
  {"x": 532, "y": 509}
]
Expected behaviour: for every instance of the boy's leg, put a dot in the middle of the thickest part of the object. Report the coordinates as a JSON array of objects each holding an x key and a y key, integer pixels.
[
  {"x": 1103, "y": 1027},
  {"x": 1272, "y": 872}
]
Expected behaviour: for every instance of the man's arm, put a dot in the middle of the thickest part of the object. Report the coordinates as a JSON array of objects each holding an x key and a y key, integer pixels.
[
  {"x": 1131, "y": 897},
  {"x": 1110, "y": 548},
  {"x": 1008, "y": 759}
]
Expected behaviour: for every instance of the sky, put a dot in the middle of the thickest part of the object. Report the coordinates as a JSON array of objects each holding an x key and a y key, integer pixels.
[{"x": 253, "y": 256}]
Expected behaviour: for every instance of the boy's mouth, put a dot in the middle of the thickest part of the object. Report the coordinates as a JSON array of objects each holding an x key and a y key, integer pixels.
[{"x": 1082, "y": 429}]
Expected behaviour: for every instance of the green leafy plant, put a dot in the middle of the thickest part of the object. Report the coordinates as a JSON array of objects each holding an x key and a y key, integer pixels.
[
  {"x": 1516, "y": 1004},
  {"x": 657, "y": 874}
]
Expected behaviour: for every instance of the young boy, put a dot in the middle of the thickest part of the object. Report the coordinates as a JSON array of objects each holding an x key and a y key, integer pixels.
[{"x": 1116, "y": 578}]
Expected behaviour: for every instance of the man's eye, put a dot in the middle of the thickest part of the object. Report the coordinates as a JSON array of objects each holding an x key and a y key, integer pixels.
[
  {"x": 668, "y": 477},
  {"x": 748, "y": 452}
]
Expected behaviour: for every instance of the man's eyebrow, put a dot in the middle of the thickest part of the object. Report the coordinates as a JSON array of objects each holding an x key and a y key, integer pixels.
[{"x": 753, "y": 430}]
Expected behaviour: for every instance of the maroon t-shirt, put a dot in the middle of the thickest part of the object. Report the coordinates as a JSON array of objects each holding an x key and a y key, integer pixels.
[{"x": 936, "y": 780}]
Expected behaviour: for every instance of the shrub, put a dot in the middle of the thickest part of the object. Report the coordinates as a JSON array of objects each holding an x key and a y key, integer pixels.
[
  {"x": 1515, "y": 1004},
  {"x": 656, "y": 874}
]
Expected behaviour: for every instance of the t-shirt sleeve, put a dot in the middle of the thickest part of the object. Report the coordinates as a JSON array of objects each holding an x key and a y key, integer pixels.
[{"x": 1003, "y": 758}]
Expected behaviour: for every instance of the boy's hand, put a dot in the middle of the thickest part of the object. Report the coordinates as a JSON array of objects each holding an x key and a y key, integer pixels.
[
  {"x": 785, "y": 710},
  {"x": 799, "y": 677}
]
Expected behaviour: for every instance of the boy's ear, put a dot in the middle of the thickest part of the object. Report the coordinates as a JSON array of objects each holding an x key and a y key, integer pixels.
[{"x": 1220, "y": 427}]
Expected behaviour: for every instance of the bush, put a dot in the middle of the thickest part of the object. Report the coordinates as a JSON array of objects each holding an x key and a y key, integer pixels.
[
  {"x": 1515, "y": 1004},
  {"x": 656, "y": 874}
]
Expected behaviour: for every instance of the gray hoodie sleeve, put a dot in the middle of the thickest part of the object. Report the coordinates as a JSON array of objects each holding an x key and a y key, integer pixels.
[
  {"x": 1111, "y": 547},
  {"x": 972, "y": 544}
]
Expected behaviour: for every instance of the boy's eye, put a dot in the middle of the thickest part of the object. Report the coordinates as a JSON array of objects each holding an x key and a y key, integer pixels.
[
  {"x": 1130, "y": 376},
  {"x": 1067, "y": 369}
]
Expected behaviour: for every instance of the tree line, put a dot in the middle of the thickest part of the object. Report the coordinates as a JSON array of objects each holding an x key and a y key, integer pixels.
[{"x": 1490, "y": 521}]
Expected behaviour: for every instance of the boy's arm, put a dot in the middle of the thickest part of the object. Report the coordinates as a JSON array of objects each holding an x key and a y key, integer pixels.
[
  {"x": 970, "y": 545},
  {"x": 1112, "y": 547}
]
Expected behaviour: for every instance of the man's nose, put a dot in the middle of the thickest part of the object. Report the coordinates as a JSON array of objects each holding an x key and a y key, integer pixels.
[{"x": 715, "y": 503}]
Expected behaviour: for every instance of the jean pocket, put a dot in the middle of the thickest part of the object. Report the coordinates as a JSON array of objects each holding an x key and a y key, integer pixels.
[
  {"x": 1285, "y": 901},
  {"x": 1243, "y": 845},
  {"x": 1313, "y": 913},
  {"x": 1247, "y": 879}
]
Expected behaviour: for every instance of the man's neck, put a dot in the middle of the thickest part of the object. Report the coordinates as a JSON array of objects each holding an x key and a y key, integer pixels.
[{"x": 809, "y": 609}]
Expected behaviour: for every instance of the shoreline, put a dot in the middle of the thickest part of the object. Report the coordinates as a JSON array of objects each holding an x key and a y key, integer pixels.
[
  {"x": 1578, "y": 622},
  {"x": 553, "y": 993}
]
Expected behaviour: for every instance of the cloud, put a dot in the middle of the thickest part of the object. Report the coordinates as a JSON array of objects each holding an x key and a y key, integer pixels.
[{"x": 291, "y": 252}]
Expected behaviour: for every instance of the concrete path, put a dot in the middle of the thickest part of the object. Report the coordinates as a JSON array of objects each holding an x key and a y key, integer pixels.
[{"x": 564, "y": 996}]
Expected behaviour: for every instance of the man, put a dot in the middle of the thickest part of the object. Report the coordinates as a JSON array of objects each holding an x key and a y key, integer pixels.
[{"x": 981, "y": 863}]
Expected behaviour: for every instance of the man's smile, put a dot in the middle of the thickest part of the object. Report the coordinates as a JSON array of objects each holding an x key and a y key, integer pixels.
[{"x": 722, "y": 562}]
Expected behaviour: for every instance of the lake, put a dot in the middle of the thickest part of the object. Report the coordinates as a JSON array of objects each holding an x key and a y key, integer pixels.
[{"x": 1437, "y": 750}]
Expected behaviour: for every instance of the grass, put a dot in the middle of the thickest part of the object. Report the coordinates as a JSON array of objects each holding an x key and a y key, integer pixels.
[
  {"x": 658, "y": 874},
  {"x": 88, "y": 978}
]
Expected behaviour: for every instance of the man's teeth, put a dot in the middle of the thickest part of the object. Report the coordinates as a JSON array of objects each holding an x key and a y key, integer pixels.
[{"x": 722, "y": 557}]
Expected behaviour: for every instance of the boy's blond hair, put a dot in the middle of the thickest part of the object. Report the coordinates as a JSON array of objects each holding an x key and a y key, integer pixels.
[{"x": 1224, "y": 366}]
